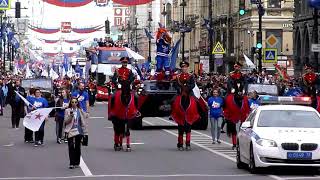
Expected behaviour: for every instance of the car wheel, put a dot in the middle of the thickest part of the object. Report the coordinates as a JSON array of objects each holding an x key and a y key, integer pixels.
[
  {"x": 252, "y": 165},
  {"x": 240, "y": 165}
]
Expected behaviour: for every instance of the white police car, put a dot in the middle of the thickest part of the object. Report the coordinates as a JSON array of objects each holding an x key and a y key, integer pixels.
[{"x": 280, "y": 135}]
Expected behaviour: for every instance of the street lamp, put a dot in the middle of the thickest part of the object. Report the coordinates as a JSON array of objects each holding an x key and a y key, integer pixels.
[
  {"x": 183, "y": 4},
  {"x": 1, "y": 25},
  {"x": 149, "y": 28},
  {"x": 136, "y": 34}
]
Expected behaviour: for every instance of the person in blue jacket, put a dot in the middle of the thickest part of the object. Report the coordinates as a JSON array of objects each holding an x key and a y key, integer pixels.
[
  {"x": 83, "y": 98},
  {"x": 39, "y": 102},
  {"x": 216, "y": 114},
  {"x": 254, "y": 101},
  {"x": 28, "y": 134}
]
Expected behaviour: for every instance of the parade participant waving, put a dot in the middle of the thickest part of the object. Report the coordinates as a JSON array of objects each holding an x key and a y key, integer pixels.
[
  {"x": 28, "y": 134},
  {"x": 83, "y": 98},
  {"x": 236, "y": 107},
  {"x": 76, "y": 129},
  {"x": 184, "y": 108},
  {"x": 216, "y": 114},
  {"x": 123, "y": 105},
  {"x": 39, "y": 102},
  {"x": 254, "y": 101}
]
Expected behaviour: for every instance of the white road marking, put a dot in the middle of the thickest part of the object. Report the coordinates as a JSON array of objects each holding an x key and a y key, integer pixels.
[
  {"x": 94, "y": 117},
  {"x": 9, "y": 145},
  {"x": 137, "y": 143},
  {"x": 292, "y": 178},
  {"x": 135, "y": 176},
  {"x": 86, "y": 171},
  {"x": 225, "y": 155},
  {"x": 109, "y": 127}
]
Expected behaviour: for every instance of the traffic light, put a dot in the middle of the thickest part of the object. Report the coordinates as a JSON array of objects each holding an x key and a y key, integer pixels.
[
  {"x": 259, "y": 40},
  {"x": 107, "y": 26},
  {"x": 18, "y": 10},
  {"x": 242, "y": 7}
]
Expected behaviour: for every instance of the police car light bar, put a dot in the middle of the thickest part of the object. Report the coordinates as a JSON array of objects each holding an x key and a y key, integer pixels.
[{"x": 285, "y": 100}]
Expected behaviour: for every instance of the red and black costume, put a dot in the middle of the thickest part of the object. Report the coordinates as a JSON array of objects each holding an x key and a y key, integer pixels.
[
  {"x": 236, "y": 105},
  {"x": 123, "y": 106},
  {"x": 184, "y": 107},
  {"x": 310, "y": 81}
]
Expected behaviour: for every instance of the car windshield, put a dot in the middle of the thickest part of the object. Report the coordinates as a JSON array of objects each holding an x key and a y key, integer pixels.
[{"x": 289, "y": 118}]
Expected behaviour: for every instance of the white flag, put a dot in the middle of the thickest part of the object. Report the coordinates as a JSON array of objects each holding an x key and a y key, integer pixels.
[
  {"x": 28, "y": 72},
  {"x": 23, "y": 99},
  {"x": 53, "y": 74},
  {"x": 34, "y": 119},
  {"x": 196, "y": 91}
]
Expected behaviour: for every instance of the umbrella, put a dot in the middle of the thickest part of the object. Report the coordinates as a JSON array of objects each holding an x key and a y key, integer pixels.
[{"x": 134, "y": 55}]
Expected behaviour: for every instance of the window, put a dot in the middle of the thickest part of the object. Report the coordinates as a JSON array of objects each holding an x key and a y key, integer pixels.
[
  {"x": 289, "y": 119},
  {"x": 251, "y": 117},
  {"x": 274, "y": 3}
]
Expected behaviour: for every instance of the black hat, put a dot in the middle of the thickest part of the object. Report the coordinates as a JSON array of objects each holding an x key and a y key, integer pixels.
[
  {"x": 124, "y": 59},
  {"x": 184, "y": 63}
]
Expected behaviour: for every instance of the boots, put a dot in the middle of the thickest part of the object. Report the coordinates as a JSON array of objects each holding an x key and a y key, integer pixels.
[
  {"x": 180, "y": 142},
  {"x": 128, "y": 144}
]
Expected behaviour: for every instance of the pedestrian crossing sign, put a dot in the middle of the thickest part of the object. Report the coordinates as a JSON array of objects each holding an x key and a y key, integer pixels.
[
  {"x": 5, "y": 4},
  {"x": 218, "y": 49},
  {"x": 270, "y": 55}
]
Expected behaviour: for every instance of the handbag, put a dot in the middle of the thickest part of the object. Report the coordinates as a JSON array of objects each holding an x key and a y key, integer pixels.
[{"x": 85, "y": 140}]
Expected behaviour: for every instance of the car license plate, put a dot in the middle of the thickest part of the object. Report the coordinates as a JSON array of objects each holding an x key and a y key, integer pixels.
[{"x": 299, "y": 155}]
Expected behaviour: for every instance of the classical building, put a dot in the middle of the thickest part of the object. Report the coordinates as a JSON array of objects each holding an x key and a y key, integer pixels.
[
  {"x": 303, "y": 36},
  {"x": 277, "y": 32}
]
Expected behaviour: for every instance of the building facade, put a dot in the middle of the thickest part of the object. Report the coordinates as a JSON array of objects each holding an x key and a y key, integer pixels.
[{"x": 303, "y": 36}]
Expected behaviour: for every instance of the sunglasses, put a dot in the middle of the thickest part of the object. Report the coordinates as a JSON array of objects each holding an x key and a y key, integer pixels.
[{"x": 74, "y": 102}]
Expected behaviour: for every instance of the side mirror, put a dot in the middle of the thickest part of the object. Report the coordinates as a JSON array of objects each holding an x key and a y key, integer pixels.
[{"x": 246, "y": 124}]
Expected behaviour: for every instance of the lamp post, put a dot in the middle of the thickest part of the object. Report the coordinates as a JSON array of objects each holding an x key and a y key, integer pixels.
[
  {"x": 4, "y": 36},
  {"x": 136, "y": 34},
  {"x": 128, "y": 28},
  {"x": 1, "y": 25},
  {"x": 183, "y": 4},
  {"x": 149, "y": 28}
]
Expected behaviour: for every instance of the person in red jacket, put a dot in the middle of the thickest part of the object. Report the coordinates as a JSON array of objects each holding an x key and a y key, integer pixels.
[
  {"x": 184, "y": 108},
  {"x": 123, "y": 105},
  {"x": 236, "y": 105},
  {"x": 310, "y": 82}
]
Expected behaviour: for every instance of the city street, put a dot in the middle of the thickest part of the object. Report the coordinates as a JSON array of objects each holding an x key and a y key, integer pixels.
[{"x": 154, "y": 155}]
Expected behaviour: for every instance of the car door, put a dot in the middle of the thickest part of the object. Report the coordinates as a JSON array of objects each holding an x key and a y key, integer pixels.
[{"x": 246, "y": 140}]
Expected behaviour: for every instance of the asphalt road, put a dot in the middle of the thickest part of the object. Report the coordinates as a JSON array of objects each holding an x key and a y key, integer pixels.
[{"x": 154, "y": 155}]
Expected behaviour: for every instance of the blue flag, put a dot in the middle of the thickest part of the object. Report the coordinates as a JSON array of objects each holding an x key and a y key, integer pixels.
[
  {"x": 148, "y": 33},
  {"x": 174, "y": 55},
  {"x": 65, "y": 62}
]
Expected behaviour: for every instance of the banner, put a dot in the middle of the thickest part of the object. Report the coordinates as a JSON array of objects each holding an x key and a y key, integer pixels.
[
  {"x": 34, "y": 119},
  {"x": 132, "y": 2}
]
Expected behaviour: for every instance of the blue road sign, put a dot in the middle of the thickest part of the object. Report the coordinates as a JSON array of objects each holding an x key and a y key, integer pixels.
[
  {"x": 270, "y": 55},
  {"x": 5, "y": 4}
]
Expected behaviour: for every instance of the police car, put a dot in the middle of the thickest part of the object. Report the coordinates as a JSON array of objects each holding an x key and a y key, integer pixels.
[{"x": 280, "y": 134}]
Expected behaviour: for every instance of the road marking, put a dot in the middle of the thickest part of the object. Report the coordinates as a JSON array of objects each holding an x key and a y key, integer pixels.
[
  {"x": 195, "y": 140},
  {"x": 137, "y": 143},
  {"x": 9, "y": 145},
  {"x": 292, "y": 178},
  {"x": 94, "y": 117},
  {"x": 86, "y": 171},
  {"x": 135, "y": 176}
]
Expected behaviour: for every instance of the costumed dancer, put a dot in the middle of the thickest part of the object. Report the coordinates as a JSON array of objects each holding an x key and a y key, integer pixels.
[
  {"x": 184, "y": 108},
  {"x": 123, "y": 105},
  {"x": 236, "y": 107},
  {"x": 163, "y": 42},
  {"x": 310, "y": 82}
]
